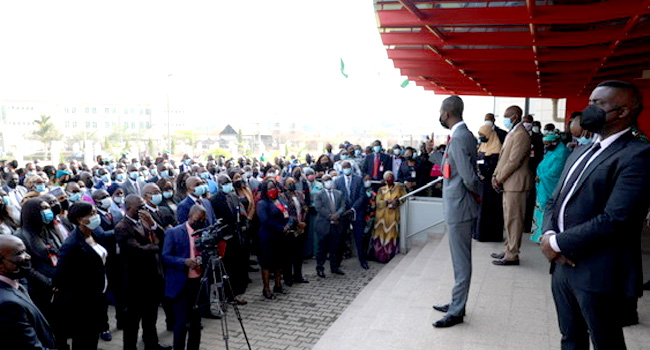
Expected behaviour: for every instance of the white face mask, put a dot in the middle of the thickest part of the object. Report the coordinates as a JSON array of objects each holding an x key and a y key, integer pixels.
[
  {"x": 489, "y": 123},
  {"x": 535, "y": 129},
  {"x": 328, "y": 184},
  {"x": 528, "y": 126}
]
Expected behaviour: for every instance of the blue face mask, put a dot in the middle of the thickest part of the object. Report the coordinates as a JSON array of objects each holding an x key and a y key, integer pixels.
[
  {"x": 133, "y": 175},
  {"x": 508, "y": 123},
  {"x": 583, "y": 141},
  {"x": 40, "y": 188},
  {"x": 75, "y": 197},
  {"x": 153, "y": 172},
  {"x": 106, "y": 178},
  {"x": 199, "y": 190},
  {"x": 205, "y": 175},
  {"x": 47, "y": 216},
  {"x": 164, "y": 174},
  {"x": 376, "y": 149},
  {"x": 6, "y": 199},
  {"x": 93, "y": 222},
  {"x": 357, "y": 152},
  {"x": 119, "y": 177},
  {"x": 227, "y": 188},
  {"x": 168, "y": 194},
  {"x": 344, "y": 157},
  {"x": 347, "y": 171},
  {"x": 188, "y": 161},
  {"x": 156, "y": 199}
]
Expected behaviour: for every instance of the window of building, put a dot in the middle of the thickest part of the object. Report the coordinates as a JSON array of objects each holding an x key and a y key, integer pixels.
[
  {"x": 74, "y": 124},
  {"x": 66, "y": 110},
  {"x": 126, "y": 111},
  {"x": 94, "y": 125},
  {"x": 106, "y": 110},
  {"x": 87, "y": 125},
  {"x": 94, "y": 110},
  {"x": 132, "y": 125},
  {"x": 113, "y": 124},
  {"x": 148, "y": 125},
  {"x": 148, "y": 111},
  {"x": 74, "y": 109},
  {"x": 67, "y": 124},
  {"x": 87, "y": 110},
  {"x": 113, "y": 110},
  {"x": 141, "y": 125},
  {"x": 132, "y": 110},
  {"x": 126, "y": 125}
]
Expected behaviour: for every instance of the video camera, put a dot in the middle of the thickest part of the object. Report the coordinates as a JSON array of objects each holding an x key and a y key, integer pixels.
[{"x": 207, "y": 239}]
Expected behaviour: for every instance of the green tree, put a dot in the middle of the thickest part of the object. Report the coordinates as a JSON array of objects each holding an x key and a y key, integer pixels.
[
  {"x": 217, "y": 152},
  {"x": 150, "y": 147},
  {"x": 46, "y": 132},
  {"x": 189, "y": 136},
  {"x": 240, "y": 142},
  {"x": 173, "y": 150}
]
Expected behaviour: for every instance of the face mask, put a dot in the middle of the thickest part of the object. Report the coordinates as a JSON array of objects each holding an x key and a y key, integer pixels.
[
  {"x": 489, "y": 123},
  {"x": 328, "y": 184},
  {"x": 105, "y": 203},
  {"x": 133, "y": 175},
  {"x": 536, "y": 129},
  {"x": 156, "y": 199},
  {"x": 344, "y": 157},
  {"x": 311, "y": 177},
  {"x": 396, "y": 151},
  {"x": 367, "y": 184},
  {"x": 40, "y": 188},
  {"x": 238, "y": 184},
  {"x": 93, "y": 222},
  {"x": 22, "y": 271},
  {"x": 357, "y": 152},
  {"x": 248, "y": 174},
  {"x": 199, "y": 191},
  {"x": 483, "y": 139},
  {"x": 106, "y": 178},
  {"x": 119, "y": 177},
  {"x": 347, "y": 171},
  {"x": 205, "y": 175},
  {"x": 508, "y": 123},
  {"x": 118, "y": 199},
  {"x": 227, "y": 188},
  {"x": 153, "y": 172},
  {"x": 188, "y": 161},
  {"x": 6, "y": 200},
  {"x": 273, "y": 194},
  {"x": 168, "y": 194},
  {"x": 136, "y": 164},
  {"x": 75, "y": 196},
  {"x": 548, "y": 148},
  {"x": 582, "y": 140},
  {"x": 444, "y": 125},
  {"x": 47, "y": 216},
  {"x": 376, "y": 149},
  {"x": 197, "y": 225},
  {"x": 291, "y": 187},
  {"x": 65, "y": 205},
  {"x": 594, "y": 118},
  {"x": 164, "y": 174},
  {"x": 528, "y": 126},
  {"x": 11, "y": 183}
]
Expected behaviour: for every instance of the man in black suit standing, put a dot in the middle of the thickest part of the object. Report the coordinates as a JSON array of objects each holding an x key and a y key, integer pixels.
[
  {"x": 376, "y": 164},
  {"x": 593, "y": 222},
  {"x": 137, "y": 235},
  {"x": 22, "y": 325},
  {"x": 489, "y": 120},
  {"x": 354, "y": 193},
  {"x": 330, "y": 205}
]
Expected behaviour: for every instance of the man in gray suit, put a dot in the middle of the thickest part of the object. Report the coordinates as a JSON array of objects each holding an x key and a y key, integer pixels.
[
  {"x": 329, "y": 205},
  {"x": 461, "y": 202}
]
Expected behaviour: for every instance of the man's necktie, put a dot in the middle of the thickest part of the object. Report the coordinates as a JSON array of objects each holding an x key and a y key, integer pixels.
[
  {"x": 575, "y": 176},
  {"x": 332, "y": 201},
  {"x": 375, "y": 166}
]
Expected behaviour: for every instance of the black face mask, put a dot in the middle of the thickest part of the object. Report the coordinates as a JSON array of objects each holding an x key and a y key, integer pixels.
[
  {"x": 197, "y": 225},
  {"x": 483, "y": 139},
  {"x": 291, "y": 187},
  {"x": 238, "y": 184},
  {"x": 22, "y": 269},
  {"x": 56, "y": 209},
  {"x": 65, "y": 205},
  {"x": 11, "y": 183},
  {"x": 296, "y": 175},
  {"x": 444, "y": 125},
  {"x": 594, "y": 118}
]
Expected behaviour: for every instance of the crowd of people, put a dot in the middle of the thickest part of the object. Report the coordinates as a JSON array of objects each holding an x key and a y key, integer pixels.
[
  {"x": 120, "y": 231},
  {"x": 583, "y": 196}
]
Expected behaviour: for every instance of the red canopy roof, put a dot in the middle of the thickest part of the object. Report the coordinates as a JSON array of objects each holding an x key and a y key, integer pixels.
[{"x": 547, "y": 48}]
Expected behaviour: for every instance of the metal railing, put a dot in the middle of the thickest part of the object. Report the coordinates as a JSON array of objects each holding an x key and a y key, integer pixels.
[
  {"x": 410, "y": 194},
  {"x": 410, "y": 225}
]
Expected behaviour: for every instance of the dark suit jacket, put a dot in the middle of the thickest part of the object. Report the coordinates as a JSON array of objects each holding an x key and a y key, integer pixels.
[
  {"x": 183, "y": 210},
  {"x": 142, "y": 268},
  {"x": 324, "y": 210},
  {"x": 175, "y": 250},
  {"x": 356, "y": 199},
  {"x": 368, "y": 165},
  {"x": 501, "y": 134},
  {"x": 227, "y": 208},
  {"x": 22, "y": 325},
  {"x": 603, "y": 218},
  {"x": 80, "y": 279}
]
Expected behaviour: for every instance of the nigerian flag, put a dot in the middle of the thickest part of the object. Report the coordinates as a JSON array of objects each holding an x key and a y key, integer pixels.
[
  {"x": 343, "y": 68},
  {"x": 405, "y": 83}
]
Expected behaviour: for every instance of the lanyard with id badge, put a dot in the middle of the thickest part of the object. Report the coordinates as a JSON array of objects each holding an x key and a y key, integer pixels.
[{"x": 446, "y": 168}]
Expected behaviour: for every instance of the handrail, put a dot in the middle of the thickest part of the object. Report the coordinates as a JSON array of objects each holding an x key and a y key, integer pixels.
[{"x": 421, "y": 188}]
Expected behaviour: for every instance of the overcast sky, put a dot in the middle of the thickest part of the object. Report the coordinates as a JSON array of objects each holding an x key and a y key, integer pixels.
[{"x": 232, "y": 60}]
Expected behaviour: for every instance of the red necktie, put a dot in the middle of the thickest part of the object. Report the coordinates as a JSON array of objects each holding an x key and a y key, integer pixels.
[
  {"x": 110, "y": 217},
  {"x": 375, "y": 168}
]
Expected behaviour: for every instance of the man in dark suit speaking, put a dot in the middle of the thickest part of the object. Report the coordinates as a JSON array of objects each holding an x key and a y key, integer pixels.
[
  {"x": 22, "y": 325},
  {"x": 593, "y": 222}
]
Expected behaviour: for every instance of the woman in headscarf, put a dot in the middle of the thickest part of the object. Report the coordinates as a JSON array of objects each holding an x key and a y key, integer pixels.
[
  {"x": 548, "y": 175},
  {"x": 385, "y": 236},
  {"x": 490, "y": 221}
]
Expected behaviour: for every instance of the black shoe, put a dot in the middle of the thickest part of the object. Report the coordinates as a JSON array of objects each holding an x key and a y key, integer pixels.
[
  {"x": 288, "y": 283},
  {"x": 498, "y": 255},
  {"x": 646, "y": 286},
  {"x": 300, "y": 280},
  {"x": 504, "y": 262},
  {"x": 279, "y": 290},
  {"x": 364, "y": 265},
  {"x": 448, "y": 321},
  {"x": 268, "y": 295},
  {"x": 106, "y": 336},
  {"x": 630, "y": 321},
  {"x": 338, "y": 272},
  {"x": 441, "y": 308},
  {"x": 158, "y": 347},
  {"x": 320, "y": 273}
]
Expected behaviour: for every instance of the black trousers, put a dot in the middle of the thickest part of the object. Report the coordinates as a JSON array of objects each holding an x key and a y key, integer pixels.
[
  {"x": 292, "y": 264},
  {"x": 329, "y": 243},
  {"x": 357, "y": 231},
  {"x": 141, "y": 306},
  {"x": 187, "y": 329},
  {"x": 582, "y": 314}
]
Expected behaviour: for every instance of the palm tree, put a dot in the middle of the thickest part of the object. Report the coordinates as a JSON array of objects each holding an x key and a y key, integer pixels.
[{"x": 46, "y": 132}]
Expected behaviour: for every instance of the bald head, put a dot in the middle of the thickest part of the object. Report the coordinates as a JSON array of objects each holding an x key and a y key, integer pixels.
[
  {"x": 454, "y": 106},
  {"x": 13, "y": 256},
  {"x": 133, "y": 204}
]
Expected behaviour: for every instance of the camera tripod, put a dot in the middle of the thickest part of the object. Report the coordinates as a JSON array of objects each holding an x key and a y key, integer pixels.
[{"x": 212, "y": 267}]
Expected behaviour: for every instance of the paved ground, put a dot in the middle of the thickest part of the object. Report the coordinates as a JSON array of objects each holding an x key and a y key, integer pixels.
[{"x": 293, "y": 321}]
